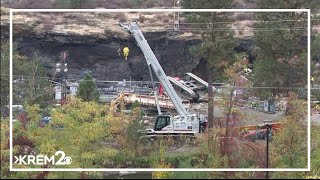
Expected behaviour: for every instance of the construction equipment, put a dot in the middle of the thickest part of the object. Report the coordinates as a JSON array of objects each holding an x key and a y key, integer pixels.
[
  {"x": 126, "y": 52},
  {"x": 119, "y": 101},
  {"x": 183, "y": 89},
  {"x": 258, "y": 132},
  {"x": 183, "y": 124},
  {"x": 200, "y": 80}
]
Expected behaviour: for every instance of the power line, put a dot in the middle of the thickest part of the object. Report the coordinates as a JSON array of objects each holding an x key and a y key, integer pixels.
[
  {"x": 219, "y": 30},
  {"x": 223, "y": 29},
  {"x": 159, "y": 23},
  {"x": 239, "y": 87},
  {"x": 97, "y": 25},
  {"x": 232, "y": 29},
  {"x": 215, "y": 22},
  {"x": 267, "y": 87},
  {"x": 251, "y": 21}
]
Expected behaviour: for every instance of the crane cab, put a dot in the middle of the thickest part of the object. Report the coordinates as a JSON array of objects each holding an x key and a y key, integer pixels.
[
  {"x": 163, "y": 122},
  {"x": 166, "y": 123}
]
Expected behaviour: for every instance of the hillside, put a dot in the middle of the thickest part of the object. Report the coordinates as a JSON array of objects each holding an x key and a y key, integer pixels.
[{"x": 92, "y": 40}]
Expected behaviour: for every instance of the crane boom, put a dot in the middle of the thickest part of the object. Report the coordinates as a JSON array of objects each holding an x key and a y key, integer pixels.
[{"x": 152, "y": 61}]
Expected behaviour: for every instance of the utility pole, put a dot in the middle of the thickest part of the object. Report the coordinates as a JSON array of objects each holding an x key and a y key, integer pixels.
[
  {"x": 64, "y": 80},
  {"x": 268, "y": 123},
  {"x": 267, "y": 175},
  {"x": 176, "y": 16}
]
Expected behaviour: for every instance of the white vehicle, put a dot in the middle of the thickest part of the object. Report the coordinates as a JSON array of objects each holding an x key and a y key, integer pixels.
[{"x": 183, "y": 124}]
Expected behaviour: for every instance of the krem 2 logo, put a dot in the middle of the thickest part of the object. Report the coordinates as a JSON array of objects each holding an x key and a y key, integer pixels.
[{"x": 43, "y": 159}]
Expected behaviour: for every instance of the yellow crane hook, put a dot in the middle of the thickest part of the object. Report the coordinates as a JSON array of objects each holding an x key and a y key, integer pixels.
[{"x": 126, "y": 52}]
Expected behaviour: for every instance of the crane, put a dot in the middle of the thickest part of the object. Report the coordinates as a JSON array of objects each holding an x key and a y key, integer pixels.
[{"x": 185, "y": 123}]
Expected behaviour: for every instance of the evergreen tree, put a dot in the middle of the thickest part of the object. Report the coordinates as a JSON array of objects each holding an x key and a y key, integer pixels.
[
  {"x": 87, "y": 90},
  {"x": 217, "y": 44},
  {"x": 281, "y": 47},
  {"x": 75, "y": 4},
  {"x": 315, "y": 66},
  {"x": 315, "y": 57}
]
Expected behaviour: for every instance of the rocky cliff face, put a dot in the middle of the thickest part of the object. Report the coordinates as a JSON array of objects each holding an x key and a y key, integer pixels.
[
  {"x": 95, "y": 47},
  {"x": 100, "y": 55}
]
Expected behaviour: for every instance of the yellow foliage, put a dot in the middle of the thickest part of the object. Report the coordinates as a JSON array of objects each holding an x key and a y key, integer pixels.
[
  {"x": 33, "y": 113},
  {"x": 161, "y": 164},
  {"x": 108, "y": 152},
  {"x": 313, "y": 177},
  {"x": 162, "y": 174},
  {"x": 4, "y": 133},
  {"x": 115, "y": 124}
]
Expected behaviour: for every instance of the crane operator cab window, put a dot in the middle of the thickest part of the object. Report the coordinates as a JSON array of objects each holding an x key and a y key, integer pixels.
[{"x": 161, "y": 122}]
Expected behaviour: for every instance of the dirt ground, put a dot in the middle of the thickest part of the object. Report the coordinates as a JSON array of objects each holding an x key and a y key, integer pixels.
[
  {"x": 251, "y": 116},
  {"x": 255, "y": 117}
]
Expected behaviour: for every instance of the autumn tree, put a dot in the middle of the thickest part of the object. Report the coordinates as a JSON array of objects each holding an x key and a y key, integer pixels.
[
  {"x": 135, "y": 131},
  {"x": 315, "y": 152},
  {"x": 289, "y": 145},
  {"x": 78, "y": 129},
  {"x": 161, "y": 163},
  {"x": 237, "y": 78},
  {"x": 22, "y": 145},
  {"x": 40, "y": 91},
  {"x": 30, "y": 82}
]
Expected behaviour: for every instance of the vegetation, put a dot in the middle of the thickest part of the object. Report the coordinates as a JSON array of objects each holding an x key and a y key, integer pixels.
[
  {"x": 87, "y": 90},
  {"x": 76, "y": 4},
  {"x": 30, "y": 84},
  {"x": 4, "y": 78},
  {"x": 87, "y": 127},
  {"x": 315, "y": 66},
  {"x": 289, "y": 149},
  {"x": 217, "y": 47},
  {"x": 281, "y": 54}
]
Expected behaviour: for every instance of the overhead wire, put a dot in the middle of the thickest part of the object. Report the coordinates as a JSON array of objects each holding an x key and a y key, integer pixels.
[
  {"x": 227, "y": 29},
  {"x": 196, "y": 29},
  {"x": 85, "y": 22},
  {"x": 243, "y": 87}
]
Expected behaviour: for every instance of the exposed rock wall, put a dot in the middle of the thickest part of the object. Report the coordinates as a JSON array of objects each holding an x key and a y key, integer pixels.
[
  {"x": 99, "y": 54},
  {"x": 101, "y": 57}
]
